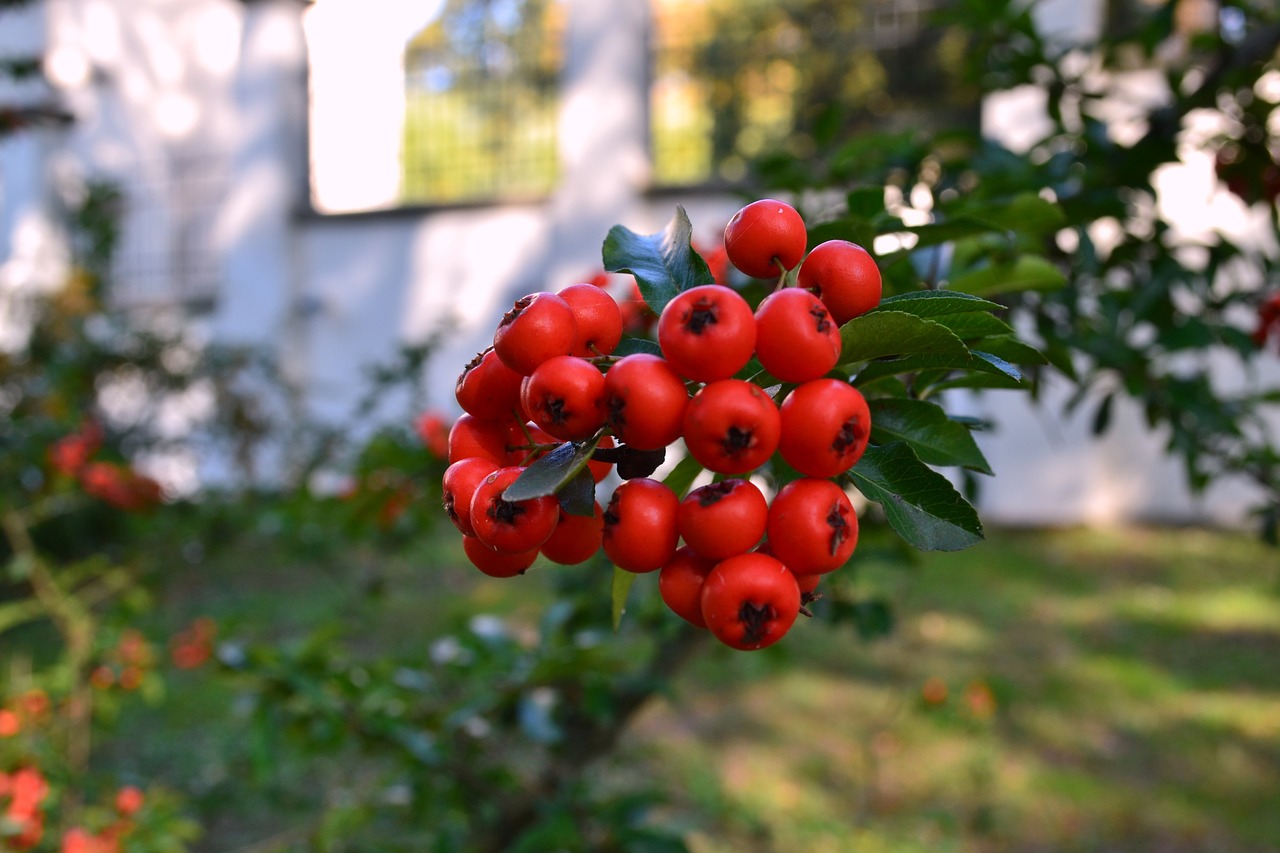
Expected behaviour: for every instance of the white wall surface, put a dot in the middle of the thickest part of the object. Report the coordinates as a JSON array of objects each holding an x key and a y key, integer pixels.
[{"x": 336, "y": 294}]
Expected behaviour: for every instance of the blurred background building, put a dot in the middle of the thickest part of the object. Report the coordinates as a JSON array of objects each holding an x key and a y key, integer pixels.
[{"x": 332, "y": 179}]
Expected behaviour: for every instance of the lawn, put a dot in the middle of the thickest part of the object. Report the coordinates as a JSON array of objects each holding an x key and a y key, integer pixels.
[{"x": 1046, "y": 690}]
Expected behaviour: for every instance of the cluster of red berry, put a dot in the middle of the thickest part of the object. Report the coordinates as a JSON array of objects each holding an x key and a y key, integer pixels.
[
  {"x": 111, "y": 482},
  {"x": 747, "y": 562}
]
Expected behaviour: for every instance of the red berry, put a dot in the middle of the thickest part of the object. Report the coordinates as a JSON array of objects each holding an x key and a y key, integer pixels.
[
  {"x": 844, "y": 276},
  {"x": 512, "y": 527},
  {"x": 538, "y": 327},
  {"x": 825, "y": 427},
  {"x": 731, "y": 426},
  {"x": 576, "y": 538},
  {"x": 680, "y": 584},
  {"x": 497, "y": 563},
  {"x": 750, "y": 601},
  {"x": 471, "y": 436},
  {"x": 645, "y": 400},
  {"x": 461, "y": 479},
  {"x": 565, "y": 396},
  {"x": 765, "y": 238},
  {"x": 640, "y": 525},
  {"x": 487, "y": 388},
  {"x": 723, "y": 519},
  {"x": 707, "y": 332},
  {"x": 812, "y": 527},
  {"x": 598, "y": 316},
  {"x": 796, "y": 339}
]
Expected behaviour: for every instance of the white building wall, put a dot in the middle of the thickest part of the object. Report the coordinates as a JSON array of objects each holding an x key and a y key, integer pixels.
[{"x": 334, "y": 294}]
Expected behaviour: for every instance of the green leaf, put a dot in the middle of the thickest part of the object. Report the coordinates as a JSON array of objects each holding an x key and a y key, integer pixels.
[
  {"x": 955, "y": 228},
  {"x": 1013, "y": 350},
  {"x": 975, "y": 325},
  {"x": 1026, "y": 213},
  {"x": 882, "y": 334},
  {"x": 681, "y": 477},
  {"x": 551, "y": 473},
  {"x": 1027, "y": 272},
  {"x": 866, "y": 202},
  {"x": 936, "y": 303},
  {"x": 578, "y": 496},
  {"x": 998, "y": 363},
  {"x": 630, "y": 345},
  {"x": 921, "y": 505},
  {"x": 925, "y": 427},
  {"x": 664, "y": 264},
  {"x": 968, "y": 360},
  {"x": 622, "y": 581}
]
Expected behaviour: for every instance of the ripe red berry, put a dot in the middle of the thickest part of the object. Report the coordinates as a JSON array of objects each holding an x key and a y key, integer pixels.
[
  {"x": 765, "y": 238},
  {"x": 640, "y": 525},
  {"x": 812, "y": 527},
  {"x": 599, "y": 319},
  {"x": 538, "y": 327},
  {"x": 471, "y": 436},
  {"x": 825, "y": 427},
  {"x": 645, "y": 400},
  {"x": 707, "y": 332},
  {"x": 487, "y": 388},
  {"x": 750, "y": 601},
  {"x": 680, "y": 584},
  {"x": 796, "y": 339},
  {"x": 129, "y": 800},
  {"x": 461, "y": 479},
  {"x": 512, "y": 527},
  {"x": 565, "y": 396},
  {"x": 576, "y": 538},
  {"x": 844, "y": 276},
  {"x": 723, "y": 519},
  {"x": 497, "y": 563},
  {"x": 731, "y": 426}
]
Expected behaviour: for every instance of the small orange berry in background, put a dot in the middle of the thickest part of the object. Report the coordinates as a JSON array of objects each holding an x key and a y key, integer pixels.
[
  {"x": 129, "y": 800},
  {"x": 979, "y": 699},
  {"x": 934, "y": 691},
  {"x": 10, "y": 725},
  {"x": 102, "y": 677}
]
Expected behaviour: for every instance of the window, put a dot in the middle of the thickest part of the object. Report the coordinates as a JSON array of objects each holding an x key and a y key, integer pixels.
[
  {"x": 482, "y": 86},
  {"x": 733, "y": 79}
]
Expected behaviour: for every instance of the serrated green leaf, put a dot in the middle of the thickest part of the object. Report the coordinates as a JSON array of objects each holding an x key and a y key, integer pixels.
[
  {"x": 551, "y": 473},
  {"x": 622, "y": 581},
  {"x": 1027, "y": 272},
  {"x": 925, "y": 427},
  {"x": 998, "y": 363},
  {"x": 936, "y": 303},
  {"x": 883, "y": 334},
  {"x": 1013, "y": 350},
  {"x": 944, "y": 362},
  {"x": 976, "y": 380},
  {"x": 664, "y": 264},
  {"x": 920, "y": 504}
]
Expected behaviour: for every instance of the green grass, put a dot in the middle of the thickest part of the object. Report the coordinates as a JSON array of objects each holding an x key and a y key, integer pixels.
[
  {"x": 1136, "y": 684},
  {"x": 1113, "y": 690}
]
